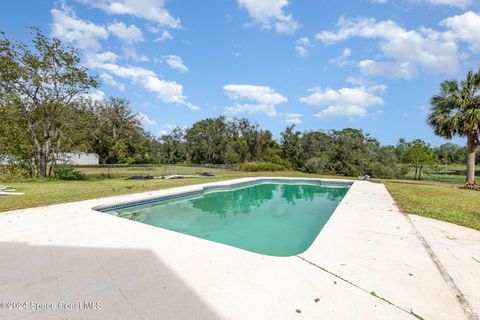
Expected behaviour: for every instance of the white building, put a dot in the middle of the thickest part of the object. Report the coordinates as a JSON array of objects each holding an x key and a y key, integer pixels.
[{"x": 78, "y": 158}]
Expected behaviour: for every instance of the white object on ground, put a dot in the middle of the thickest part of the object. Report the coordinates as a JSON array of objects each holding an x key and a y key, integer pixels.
[
  {"x": 6, "y": 190},
  {"x": 180, "y": 176},
  {"x": 8, "y": 193}
]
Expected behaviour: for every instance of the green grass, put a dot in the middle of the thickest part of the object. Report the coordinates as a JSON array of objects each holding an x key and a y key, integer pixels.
[
  {"x": 441, "y": 201},
  {"x": 39, "y": 193},
  {"x": 102, "y": 172}
]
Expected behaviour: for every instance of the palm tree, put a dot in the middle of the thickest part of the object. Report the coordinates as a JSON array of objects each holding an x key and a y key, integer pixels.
[{"x": 456, "y": 111}]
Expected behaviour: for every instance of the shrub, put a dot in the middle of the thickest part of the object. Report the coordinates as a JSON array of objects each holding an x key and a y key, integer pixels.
[
  {"x": 14, "y": 172},
  {"x": 390, "y": 171},
  {"x": 261, "y": 166},
  {"x": 316, "y": 164},
  {"x": 277, "y": 159},
  {"x": 66, "y": 172}
]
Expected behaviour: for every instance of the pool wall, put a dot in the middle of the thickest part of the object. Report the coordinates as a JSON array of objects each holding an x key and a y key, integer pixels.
[{"x": 225, "y": 185}]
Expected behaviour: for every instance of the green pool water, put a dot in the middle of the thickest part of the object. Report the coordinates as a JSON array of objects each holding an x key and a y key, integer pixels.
[{"x": 278, "y": 219}]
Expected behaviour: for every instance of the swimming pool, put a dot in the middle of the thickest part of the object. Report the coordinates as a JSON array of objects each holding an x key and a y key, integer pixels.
[{"x": 271, "y": 217}]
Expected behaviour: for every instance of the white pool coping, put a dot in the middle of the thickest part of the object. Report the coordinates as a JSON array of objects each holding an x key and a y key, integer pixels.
[{"x": 367, "y": 250}]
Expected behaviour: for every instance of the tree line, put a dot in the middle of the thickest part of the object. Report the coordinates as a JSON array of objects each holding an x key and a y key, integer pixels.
[{"x": 45, "y": 110}]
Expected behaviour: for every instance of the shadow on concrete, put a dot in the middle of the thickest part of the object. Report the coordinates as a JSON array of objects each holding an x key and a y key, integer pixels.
[{"x": 94, "y": 283}]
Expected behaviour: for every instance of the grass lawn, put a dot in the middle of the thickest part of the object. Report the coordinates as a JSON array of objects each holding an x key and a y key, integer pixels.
[
  {"x": 39, "y": 193},
  {"x": 441, "y": 201},
  {"x": 102, "y": 172}
]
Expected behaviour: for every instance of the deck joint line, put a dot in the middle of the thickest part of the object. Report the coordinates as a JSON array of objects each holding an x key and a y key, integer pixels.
[
  {"x": 467, "y": 309},
  {"x": 372, "y": 293}
]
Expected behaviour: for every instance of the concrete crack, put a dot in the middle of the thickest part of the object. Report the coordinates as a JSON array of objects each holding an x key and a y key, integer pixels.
[
  {"x": 372, "y": 293},
  {"x": 467, "y": 309}
]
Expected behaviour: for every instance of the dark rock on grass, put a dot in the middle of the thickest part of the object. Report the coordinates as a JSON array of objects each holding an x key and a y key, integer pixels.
[
  {"x": 471, "y": 186},
  {"x": 140, "y": 178}
]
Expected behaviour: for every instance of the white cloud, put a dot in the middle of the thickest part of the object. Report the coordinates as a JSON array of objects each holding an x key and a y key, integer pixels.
[
  {"x": 128, "y": 34},
  {"x": 83, "y": 34},
  {"x": 356, "y": 81},
  {"x": 261, "y": 99},
  {"x": 167, "y": 91},
  {"x": 425, "y": 49},
  {"x": 131, "y": 52},
  {"x": 151, "y": 10},
  {"x": 270, "y": 15},
  {"x": 176, "y": 63},
  {"x": 351, "y": 102},
  {"x": 145, "y": 119},
  {"x": 342, "y": 59},
  {"x": 93, "y": 59},
  {"x": 404, "y": 70},
  {"x": 168, "y": 128},
  {"x": 97, "y": 95},
  {"x": 164, "y": 36},
  {"x": 465, "y": 27},
  {"x": 293, "y": 118},
  {"x": 108, "y": 79},
  {"x": 302, "y": 45},
  {"x": 261, "y": 94}
]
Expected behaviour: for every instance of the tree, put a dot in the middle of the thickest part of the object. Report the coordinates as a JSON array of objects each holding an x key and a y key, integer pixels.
[
  {"x": 173, "y": 147},
  {"x": 36, "y": 87},
  {"x": 207, "y": 141},
  {"x": 456, "y": 111},
  {"x": 353, "y": 152},
  {"x": 290, "y": 146},
  {"x": 243, "y": 144},
  {"x": 112, "y": 130},
  {"x": 401, "y": 150},
  {"x": 317, "y": 150},
  {"x": 386, "y": 163},
  {"x": 449, "y": 153},
  {"x": 419, "y": 154}
]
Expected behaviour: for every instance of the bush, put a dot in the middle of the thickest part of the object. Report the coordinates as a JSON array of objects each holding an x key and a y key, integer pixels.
[
  {"x": 68, "y": 173},
  {"x": 277, "y": 159},
  {"x": 390, "y": 171},
  {"x": 261, "y": 166},
  {"x": 316, "y": 164},
  {"x": 14, "y": 172}
]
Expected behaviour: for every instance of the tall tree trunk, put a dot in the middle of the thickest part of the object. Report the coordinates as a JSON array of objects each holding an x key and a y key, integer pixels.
[
  {"x": 416, "y": 172},
  {"x": 44, "y": 157},
  {"x": 420, "y": 172},
  {"x": 42, "y": 164},
  {"x": 471, "y": 146}
]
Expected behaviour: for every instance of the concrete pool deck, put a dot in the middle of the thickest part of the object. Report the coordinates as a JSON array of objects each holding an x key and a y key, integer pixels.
[{"x": 370, "y": 261}]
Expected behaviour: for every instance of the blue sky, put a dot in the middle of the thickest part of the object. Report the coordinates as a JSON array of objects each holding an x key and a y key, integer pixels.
[{"x": 367, "y": 64}]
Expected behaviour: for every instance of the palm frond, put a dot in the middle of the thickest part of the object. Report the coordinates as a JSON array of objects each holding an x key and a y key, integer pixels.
[{"x": 456, "y": 109}]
